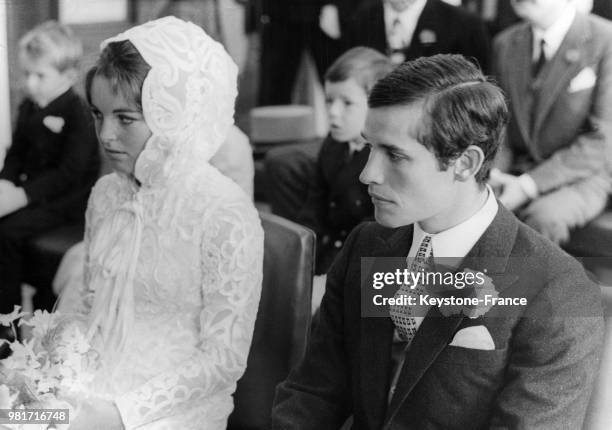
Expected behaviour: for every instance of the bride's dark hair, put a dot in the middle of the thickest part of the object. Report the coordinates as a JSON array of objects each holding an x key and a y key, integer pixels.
[{"x": 122, "y": 64}]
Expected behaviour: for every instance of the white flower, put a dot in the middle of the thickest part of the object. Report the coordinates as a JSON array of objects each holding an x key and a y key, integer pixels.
[
  {"x": 7, "y": 401},
  {"x": 7, "y": 319},
  {"x": 41, "y": 322}
]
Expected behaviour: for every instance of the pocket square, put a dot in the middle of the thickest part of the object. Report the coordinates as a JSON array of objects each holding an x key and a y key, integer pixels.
[
  {"x": 475, "y": 337},
  {"x": 583, "y": 80}
]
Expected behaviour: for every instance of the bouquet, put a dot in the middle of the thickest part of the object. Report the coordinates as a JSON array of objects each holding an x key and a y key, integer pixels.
[{"x": 51, "y": 370}]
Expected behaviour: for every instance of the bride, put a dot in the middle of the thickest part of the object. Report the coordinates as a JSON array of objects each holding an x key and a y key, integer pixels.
[{"x": 174, "y": 249}]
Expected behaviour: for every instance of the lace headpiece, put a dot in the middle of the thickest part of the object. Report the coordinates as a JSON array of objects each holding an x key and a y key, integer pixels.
[{"x": 187, "y": 96}]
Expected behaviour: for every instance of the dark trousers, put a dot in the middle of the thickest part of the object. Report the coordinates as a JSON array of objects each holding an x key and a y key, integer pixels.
[
  {"x": 16, "y": 230},
  {"x": 281, "y": 50}
]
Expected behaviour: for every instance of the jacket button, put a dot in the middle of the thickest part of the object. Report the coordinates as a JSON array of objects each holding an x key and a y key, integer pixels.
[
  {"x": 338, "y": 244},
  {"x": 332, "y": 204},
  {"x": 357, "y": 202},
  {"x": 23, "y": 177}
]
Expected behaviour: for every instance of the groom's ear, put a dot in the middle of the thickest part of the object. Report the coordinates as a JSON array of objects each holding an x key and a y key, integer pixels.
[{"x": 468, "y": 163}]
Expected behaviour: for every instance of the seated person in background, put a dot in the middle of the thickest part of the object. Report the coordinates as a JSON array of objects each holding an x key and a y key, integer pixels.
[
  {"x": 408, "y": 29},
  {"x": 556, "y": 69},
  {"x": 336, "y": 200},
  {"x": 53, "y": 160},
  {"x": 434, "y": 125}
]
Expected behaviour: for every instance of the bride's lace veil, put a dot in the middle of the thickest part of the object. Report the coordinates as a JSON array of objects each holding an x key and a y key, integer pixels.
[{"x": 188, "y": 104}]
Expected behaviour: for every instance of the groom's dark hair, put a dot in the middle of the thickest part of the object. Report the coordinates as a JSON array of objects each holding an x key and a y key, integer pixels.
[{"x": 460, "y": 107}]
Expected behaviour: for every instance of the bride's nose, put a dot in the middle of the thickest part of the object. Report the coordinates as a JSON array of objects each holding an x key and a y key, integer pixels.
[{"x": 107, "y": 133}]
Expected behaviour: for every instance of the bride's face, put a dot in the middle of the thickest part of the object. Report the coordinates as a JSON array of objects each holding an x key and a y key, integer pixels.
[{"x": 120, "y": 126}]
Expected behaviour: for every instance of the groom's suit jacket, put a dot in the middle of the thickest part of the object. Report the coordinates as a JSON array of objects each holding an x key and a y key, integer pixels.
[
  {"x": 441, "y": 29},
  {"x": 561, "y": 122},
  {"x": 538, "y": 376}
]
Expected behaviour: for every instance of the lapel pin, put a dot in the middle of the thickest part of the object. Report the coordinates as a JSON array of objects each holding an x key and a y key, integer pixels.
[{"x": 427, "y": 37}]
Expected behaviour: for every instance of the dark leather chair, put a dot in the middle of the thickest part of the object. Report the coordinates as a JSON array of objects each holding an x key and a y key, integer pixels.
[{"x": 283, "y": 320}]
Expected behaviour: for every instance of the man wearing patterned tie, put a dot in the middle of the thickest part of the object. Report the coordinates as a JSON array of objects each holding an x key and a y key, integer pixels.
[
  {"x": 434, "y": 126},
  {"x": 556, "y": 69}
]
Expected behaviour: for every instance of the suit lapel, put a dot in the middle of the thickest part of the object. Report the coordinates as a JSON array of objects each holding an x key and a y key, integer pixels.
[
  {"x": 491, "y": 251},
  {"x": 434, "y": 334},
  {"x": 519, "y": 64},
  {"x": 376, "y": 24},
  {"x": 560, "y": 70},
  {"x": 375, "y": 345}
]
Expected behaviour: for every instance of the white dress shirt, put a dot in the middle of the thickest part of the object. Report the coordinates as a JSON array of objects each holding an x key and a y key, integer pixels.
[
  {"x": 457, "y": 241},
  {"x": 400, "y": 37},
  {"x": 553, "y": 36}
]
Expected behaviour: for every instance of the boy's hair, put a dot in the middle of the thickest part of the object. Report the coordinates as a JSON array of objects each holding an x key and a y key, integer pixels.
[
  {"x": 54, "y": 42},
  {"x": 122, "y": 64},
  {"x": 460, "y": 107},
  {"x": 365, "y": 65}
]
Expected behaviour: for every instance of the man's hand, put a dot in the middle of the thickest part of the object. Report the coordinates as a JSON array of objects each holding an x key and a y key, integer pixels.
[
  {"x": 329, "y": 22},
  {"x": 12, "y": 198},
  {"x": 512, "y": 195},
  {"x": 96, "y": 414}
]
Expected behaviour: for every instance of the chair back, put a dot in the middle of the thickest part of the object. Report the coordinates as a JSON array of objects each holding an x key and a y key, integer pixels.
[{"x": 283, "y": 320}]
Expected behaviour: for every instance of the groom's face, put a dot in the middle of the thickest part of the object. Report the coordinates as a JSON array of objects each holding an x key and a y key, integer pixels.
[{"x": 404, "y": 178}]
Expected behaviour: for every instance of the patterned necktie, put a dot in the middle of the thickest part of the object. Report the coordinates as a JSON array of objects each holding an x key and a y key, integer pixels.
[{"x": 403, "y": 315}]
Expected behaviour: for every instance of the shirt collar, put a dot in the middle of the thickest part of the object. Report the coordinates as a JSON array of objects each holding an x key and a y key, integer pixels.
[
  {"x": 457, "y": 241},
  {"x": 553, "y": 35},
  {"x": 411, "y": 13}
]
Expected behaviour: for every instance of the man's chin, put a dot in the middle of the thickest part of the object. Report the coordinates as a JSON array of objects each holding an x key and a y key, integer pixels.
[{"x": 388, "y": 220}]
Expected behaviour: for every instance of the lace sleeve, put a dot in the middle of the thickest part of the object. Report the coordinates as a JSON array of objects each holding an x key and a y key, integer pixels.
[{"x": 232, "y": 259}]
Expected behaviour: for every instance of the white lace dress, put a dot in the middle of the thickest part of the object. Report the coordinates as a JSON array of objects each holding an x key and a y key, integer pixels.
[
  {"x": 174, "y": 261},
  {"x": 196, "y": 289}
]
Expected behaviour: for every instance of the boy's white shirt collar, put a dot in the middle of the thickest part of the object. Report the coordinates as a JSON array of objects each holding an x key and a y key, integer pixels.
[
  {"x": 61, "y": 91},
  {"x": 554, "y": 35},
  {"x": 408, "y": 17},
  {"x": 457, "y": 241}
]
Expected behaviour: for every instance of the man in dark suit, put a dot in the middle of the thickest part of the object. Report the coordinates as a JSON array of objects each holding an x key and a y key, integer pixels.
[
  {"x": 288, "y": 28},
  {"x": 556, "y": 69},
  {"x": 408, "y": 29},
  {"x": 434, "y": 125}
]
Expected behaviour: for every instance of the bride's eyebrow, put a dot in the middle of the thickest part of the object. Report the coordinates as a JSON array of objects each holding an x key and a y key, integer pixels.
[{"x": 126, "y": 110}]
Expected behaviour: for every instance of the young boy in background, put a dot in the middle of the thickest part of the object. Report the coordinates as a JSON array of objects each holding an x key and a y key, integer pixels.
[
  {"x": 336, "y": 200},
  {"x": 53, "y": 160}
]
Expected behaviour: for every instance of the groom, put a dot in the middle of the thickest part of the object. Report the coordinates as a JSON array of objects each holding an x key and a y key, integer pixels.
[{"x": 434, "y": 126}]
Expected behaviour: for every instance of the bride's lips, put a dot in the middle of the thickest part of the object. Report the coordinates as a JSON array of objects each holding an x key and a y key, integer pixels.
[{"x": 114, "y": 153}]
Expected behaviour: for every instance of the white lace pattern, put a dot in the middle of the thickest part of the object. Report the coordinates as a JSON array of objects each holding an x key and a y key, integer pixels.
[{"x": 174, "y": 265}]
